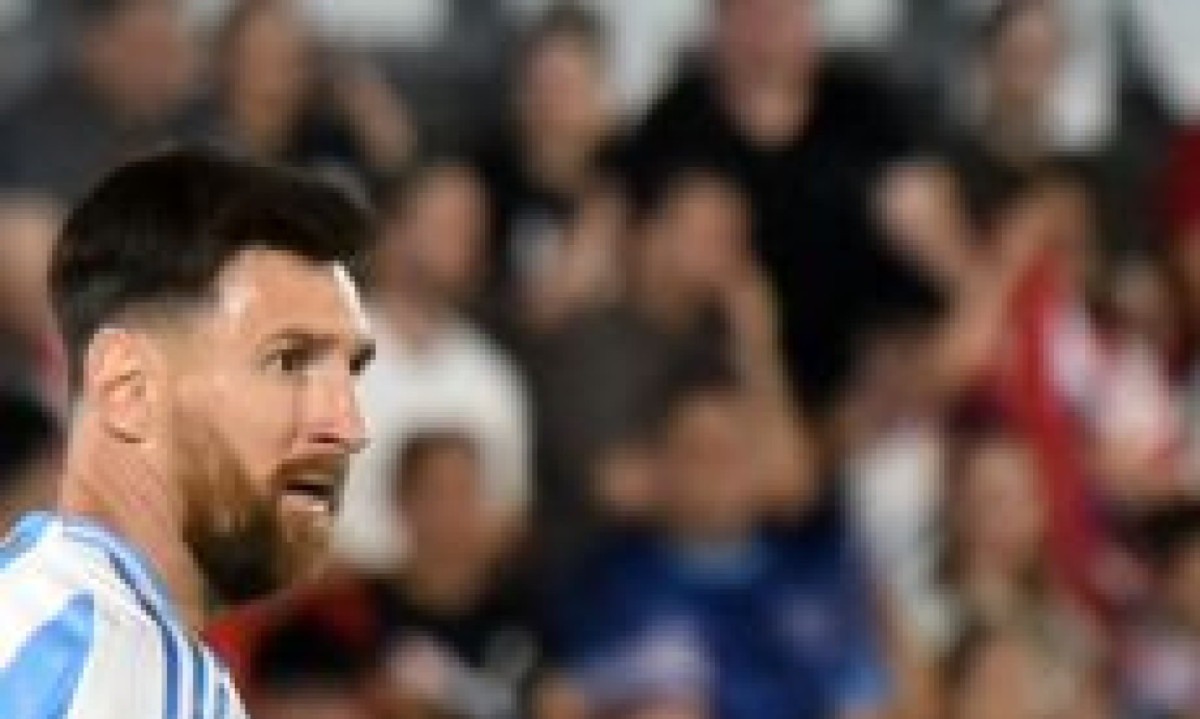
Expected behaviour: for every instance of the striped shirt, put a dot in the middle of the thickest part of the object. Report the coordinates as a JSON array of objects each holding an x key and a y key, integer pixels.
[{"x": 87, "y": 631}]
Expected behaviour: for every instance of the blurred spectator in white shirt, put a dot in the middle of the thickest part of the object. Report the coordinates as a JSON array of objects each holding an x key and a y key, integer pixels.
[{"x": 434, "y": 368}]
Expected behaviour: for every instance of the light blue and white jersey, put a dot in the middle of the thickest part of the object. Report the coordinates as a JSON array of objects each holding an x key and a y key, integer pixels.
[{"x": 87, "y": 631}]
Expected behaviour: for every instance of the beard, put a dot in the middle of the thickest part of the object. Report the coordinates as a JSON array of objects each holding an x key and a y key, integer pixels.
[
  {"x": 241, "y": 563},
  {"x": 243, "y": 542}
]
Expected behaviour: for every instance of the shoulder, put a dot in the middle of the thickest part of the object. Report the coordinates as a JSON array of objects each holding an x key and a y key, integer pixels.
[{"x": 68, "y": 628}]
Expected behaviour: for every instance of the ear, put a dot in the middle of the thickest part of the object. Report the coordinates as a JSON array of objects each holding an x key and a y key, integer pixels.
[{"x": 117, "y": 382}]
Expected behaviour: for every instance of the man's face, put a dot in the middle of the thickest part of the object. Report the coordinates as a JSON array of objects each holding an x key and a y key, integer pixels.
[
  {"x": 444, "y": 507},
  {"x": 1027, "y": 57},
  {"x": 1004, "y": 511},
  {"x": 441, "y": 239},
  {"x": 142, "y": 58},
  {"x": 313, "y": 703},
  {"x": 774, "y": 36},
  {"x": 564, "y": 94},
  {"x": 707, "y": 228},
  {"x": 263, "y": 417}
]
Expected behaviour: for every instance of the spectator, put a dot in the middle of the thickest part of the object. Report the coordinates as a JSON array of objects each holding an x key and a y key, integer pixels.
[
  {"x": 1022, "y": 45},
  {"x": 118, "y": 93},
  {"x": 709, "y": 610},
  {"x": 806, "y": 142},
  {"x": 274, "y": 100},
  {"x": 434, "y": 368},
  {"x": 692, "y": 296},
  {"x": 1162, "y": 667},
  {"x": 999, "y": 577},
  {"x": 462, "y": 640},
  {"x": 540, "y": 171},
  {"x": 28, "y": 226}
]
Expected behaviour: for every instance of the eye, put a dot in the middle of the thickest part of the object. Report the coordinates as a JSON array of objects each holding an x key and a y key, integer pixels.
[{"x": 291, "y": 360}]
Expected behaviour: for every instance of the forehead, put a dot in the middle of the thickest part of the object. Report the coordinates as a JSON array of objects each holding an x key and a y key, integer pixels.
[{"x": 261, "y": 291}]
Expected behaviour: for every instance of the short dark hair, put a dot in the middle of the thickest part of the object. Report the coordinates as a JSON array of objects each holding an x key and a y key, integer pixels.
[{"x": 157, "y": 232}]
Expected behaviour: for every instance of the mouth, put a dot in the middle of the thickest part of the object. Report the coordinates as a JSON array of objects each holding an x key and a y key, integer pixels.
[{"x": 313, "y": 493}]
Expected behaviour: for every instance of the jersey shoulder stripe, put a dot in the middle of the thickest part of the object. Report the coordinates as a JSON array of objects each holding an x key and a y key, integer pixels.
[
  {"x": 41, "y": 681},
  {"x": 88, "y": 631}
]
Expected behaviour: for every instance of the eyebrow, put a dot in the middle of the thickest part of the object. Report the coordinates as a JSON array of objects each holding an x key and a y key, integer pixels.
[{"x": 364, "y": 347}]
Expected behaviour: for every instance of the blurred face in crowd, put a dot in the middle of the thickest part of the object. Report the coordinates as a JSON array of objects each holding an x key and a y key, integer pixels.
[
  {"x": 253, "y": 403},
  {"x": 768, "y": 38},
  {"x": 313, "y": 703},
  {"x": 141, "y": 58},
  {"x": 1183, "y": 584},
  {"x": 1025, "y": 57},
  {"x": 28, "y": 226},
  {"x": 268, "y": 61},
  {"x": 701, "y": 235},
  {"x": 706, "y": 468},
  {"x": 564, "y": 99},
  {"x": 1143, "y": 302},
  {"x": 442, "y": 505},
  {"x": 437, "y": 240},
  {"x": 1002, "y": 511}
]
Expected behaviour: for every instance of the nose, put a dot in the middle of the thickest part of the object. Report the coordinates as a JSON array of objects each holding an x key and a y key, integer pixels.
[{"x": 340, "y": 425}]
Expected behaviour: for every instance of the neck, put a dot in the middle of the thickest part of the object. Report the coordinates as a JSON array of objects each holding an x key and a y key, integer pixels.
[{"x": 130, "y": 497}]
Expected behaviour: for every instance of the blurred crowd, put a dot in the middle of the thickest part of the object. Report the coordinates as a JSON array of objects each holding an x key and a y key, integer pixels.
[{"x": 739, "y": 359}]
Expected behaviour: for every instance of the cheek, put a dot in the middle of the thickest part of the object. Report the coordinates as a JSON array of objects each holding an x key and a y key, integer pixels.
[{"x": 259, "y": 422}]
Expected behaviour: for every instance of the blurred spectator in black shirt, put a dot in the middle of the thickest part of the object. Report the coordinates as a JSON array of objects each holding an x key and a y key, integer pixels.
[
  {"x": 278, "y": 97},
  {"x": 562, "y": 125},
  {"x": 806, "y": 141},
  {"x": 1021, "y": 48},
  {"x": 461, "y": 639},
  {"x": 131, "y": 67}
]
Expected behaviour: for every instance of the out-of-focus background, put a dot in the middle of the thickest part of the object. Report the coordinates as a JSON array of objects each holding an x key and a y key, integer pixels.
[{"x": 740, "y": 359}]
